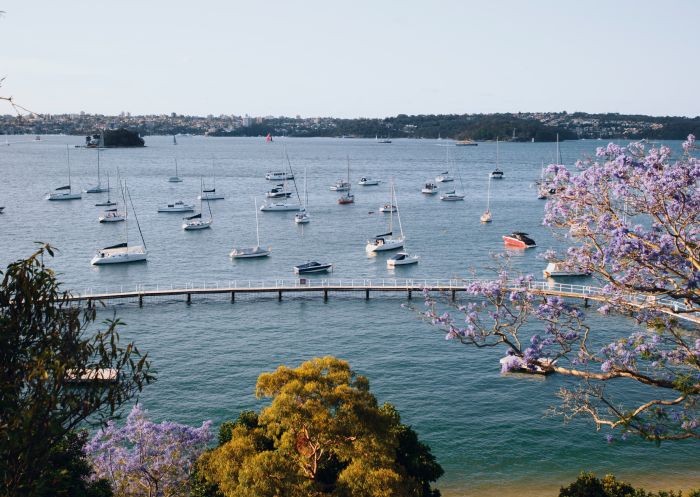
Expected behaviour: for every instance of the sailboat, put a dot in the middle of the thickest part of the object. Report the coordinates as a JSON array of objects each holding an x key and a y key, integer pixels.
[
  {"x": 176, "y": 178},
  {"x": 452, "y": 195},
  {"x": 65, "y": 192},
  {"x": 210, "y": 194},
  {"x": 174, "y": 140},
  {"x": 385, "y": 241},
  {"x": 98, "y": 188},
  {"x": 196, "y": 222},
  {"x": 486, "y": 216},
  {"x": 347, "y": 198},
  {"x": 123, "y": 253},
  {"x": 109, "y": 202},
  {"x": 249, "y": 252},
  {"x": 402, "y": 258},
  {"x": 302, "y": 217}
]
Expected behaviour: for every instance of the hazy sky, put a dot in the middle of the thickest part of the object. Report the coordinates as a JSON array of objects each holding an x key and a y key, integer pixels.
[{"x": 353, "y": 58}]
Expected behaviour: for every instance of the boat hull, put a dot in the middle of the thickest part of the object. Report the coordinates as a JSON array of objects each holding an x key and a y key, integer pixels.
[
  {"x": 280, "y": 208},
  {"x": 131, "y": 254},
  {"x": 389, "y": 244},
  {"x": 186, "y": 208},
  {"x": 323, "y": 268},
  {"x": 249, "y": 253},
  {"x": 515, "y": 243},
  {"x": 200, "y": 225},
  {"x": 64, "y": 196},
  {"x": 403, "y": 262},
  {"x": 97, "y": 189}
]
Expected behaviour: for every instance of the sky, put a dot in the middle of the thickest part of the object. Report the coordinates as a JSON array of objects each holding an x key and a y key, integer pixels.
[{"x": 358, "y": 58}]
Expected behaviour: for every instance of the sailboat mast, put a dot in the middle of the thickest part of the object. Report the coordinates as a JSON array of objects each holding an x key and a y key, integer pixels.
[
  {"x": 488, "y": 195},
  {"x": 391, "y": 211},
  {"x": 558, "y": 153},
  {"x": 306, "y": 192},
  {"x": 176, "y": 175},
  {"x": 138, "y": 225},
  {"x": 126, "y": 214},
  {"x": 497, "y": 154},
  {"x": 99, "y": 180},
  {"x": 70, "y": 190},
  {"x": 398, "y": 214},
  {"x": 257, "y": 225},
  {"x": 109, "y": 200}
]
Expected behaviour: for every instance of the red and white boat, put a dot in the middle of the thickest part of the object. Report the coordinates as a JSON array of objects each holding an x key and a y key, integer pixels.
[{"x": 518, "y": 239}]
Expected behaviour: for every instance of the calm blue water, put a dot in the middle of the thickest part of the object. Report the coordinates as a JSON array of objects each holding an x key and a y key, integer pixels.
[{"x": 487, "y": 430}]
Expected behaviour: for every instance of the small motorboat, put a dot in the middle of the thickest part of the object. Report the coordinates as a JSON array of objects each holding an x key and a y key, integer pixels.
[
  {"x": 348, "y": 198},
  {"x": 451, "y": 196},
  {"x": 278, "y": 175},
  {"x": 554, "y": 269},
  {"x": 518, "y": 239},
  {"x": 366, "y": 181},
  {"x": 465, "y": 143},
  {"x": 496, "y": 174},
  {"x": 401, "y": 259},
  {"x": 178, "y": 206},
  {"x": 429, "y": 188},
  {"x": 112, "y": 216},
  {"x": 340, "y": 186},
  {"x": 278, "y": 191},
  {"x": 312, "y": 267},
  {"x": 387, "y": 208},
  {"x": 444, "y": 177}
]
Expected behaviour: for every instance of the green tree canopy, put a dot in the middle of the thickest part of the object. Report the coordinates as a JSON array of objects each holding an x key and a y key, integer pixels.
[
  {"x": 44, "y": 348},
  {"x": 323, "y": 434}
]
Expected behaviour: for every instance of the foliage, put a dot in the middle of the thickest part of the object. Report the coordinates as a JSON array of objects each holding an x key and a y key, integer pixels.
[
  {"x": 633, "y": 221},
  {"x": 323, "y": 434},
  {"x": 587, "y": 485},
  {"x": 144, "y": 458},
  {"x": 122, "y": 138},
  {"x": 43, "y": 345},
  {"x": 70, "y": 473}
]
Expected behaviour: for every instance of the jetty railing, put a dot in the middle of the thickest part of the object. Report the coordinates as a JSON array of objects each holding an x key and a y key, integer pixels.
[{"x": 409, "y": 285}]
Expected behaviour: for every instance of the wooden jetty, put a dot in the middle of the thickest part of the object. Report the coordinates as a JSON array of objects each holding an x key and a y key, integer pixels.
[{"x": 326, "y": 286}]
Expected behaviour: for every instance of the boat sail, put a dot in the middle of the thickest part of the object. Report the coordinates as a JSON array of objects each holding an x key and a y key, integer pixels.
[
  {"x": 250, "y": 252},
  {"x": 98, "y": 188},
  {"x": 386, "y": 241},
  {"x": 122, "y": 252},
  {"x": 196, "y": 222},
  {"x": 65, "y": 192}
]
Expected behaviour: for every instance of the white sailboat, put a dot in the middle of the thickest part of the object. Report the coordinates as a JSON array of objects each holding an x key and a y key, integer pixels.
[
  {"x": 176, "y": 178},
  {"x": 452, "y": 195},
  {"x": 65, "y": 192},
  {"x": 486, "y": 216},
  {"x": 196, "y": 222},
  {"x": 109, "y": 202},
  {"x": 402, "y": 258},
  {"x": 347, "y": 198},
  {"x": 123, "y": 253},
  {"x": 98, "y": 188},
  {"x": 303, "y": 217},
  {"x": 210, "y": 193},
  {"x": 178, "y": 206},
  {"x": 250, "y": 252},
  {"x": 386, "y": 241}
]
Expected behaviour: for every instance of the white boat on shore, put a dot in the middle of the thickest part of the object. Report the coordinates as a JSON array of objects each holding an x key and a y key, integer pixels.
[{"x": 555, "y": 269}]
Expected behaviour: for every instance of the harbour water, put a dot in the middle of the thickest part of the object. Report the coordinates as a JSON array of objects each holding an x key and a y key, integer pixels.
[{"x": 487, "y": 430}]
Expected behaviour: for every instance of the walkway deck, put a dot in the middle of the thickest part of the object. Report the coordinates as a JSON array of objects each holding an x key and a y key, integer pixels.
[{"x": 326, "y": 286}]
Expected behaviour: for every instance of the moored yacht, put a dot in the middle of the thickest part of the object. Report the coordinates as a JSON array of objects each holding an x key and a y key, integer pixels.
[
  {"x": 65, "y": 192},
  {"x": 367, "y": 181},
  {"x": 444, "y": 177},
  {"x": 178, "y": 206},
  {"x": 401, "y": 259},
  {"x": 251, "y": 252},
  {"x": 496, "y": 174},
  {"x": 312, "y": 267},
  {"x": 451, "y": 196},
  {"x": 278, "y": 175},
  {"x": 518, "y": 239},
  {"x": 279, "y": 191},
  {"x": 429, "y": 188},
  {"x": 340, "y": 186},
  {"x": 112, "y": 216}
]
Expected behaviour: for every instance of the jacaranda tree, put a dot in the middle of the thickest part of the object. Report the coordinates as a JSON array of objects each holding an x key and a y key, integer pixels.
[
  {"x": 631, "y": 218},
  {"x": 45, "y": 346},
  {"x": 148, "y": 459}
]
